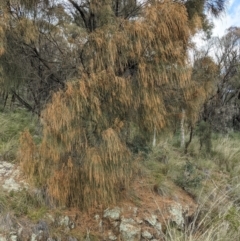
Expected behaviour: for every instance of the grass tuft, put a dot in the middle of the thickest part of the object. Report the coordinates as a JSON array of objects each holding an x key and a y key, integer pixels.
[{"x": 12, "y": 124}]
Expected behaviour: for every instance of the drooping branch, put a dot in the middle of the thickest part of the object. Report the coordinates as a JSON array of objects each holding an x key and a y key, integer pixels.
[
  {"x": 22, "y": 101},
  {"x": 83, "y": 13}
]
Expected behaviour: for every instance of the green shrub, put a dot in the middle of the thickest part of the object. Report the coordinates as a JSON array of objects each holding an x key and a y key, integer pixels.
[{"x": 189, "y": 177}]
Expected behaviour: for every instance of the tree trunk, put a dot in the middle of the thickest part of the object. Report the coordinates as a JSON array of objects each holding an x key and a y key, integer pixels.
[
  {"x": 182, "y": 128},
  {"x": 154, "y": 137}
]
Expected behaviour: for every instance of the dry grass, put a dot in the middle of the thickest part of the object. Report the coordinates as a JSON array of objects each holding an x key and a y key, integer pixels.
[
  {"x": 216, "y": 219},
  {"x": 217, "y": 194}
]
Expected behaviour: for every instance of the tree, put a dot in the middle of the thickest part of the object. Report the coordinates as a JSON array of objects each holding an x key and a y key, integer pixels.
[
  {"x": 37, "y": 57},
  {"x": 45, "y": 37},
  {"x": 134, "y": 72},
  {"x": 197, "y": 13},
  {"x": 92, "y": 14},
  {"x": 222, "y": 109}
]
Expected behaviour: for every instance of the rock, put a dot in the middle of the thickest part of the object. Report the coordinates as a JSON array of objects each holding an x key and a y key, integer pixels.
[
  {"x": 24, "y": 233},
  {"x": 111, "y": 236},
  {"x": 151, "y": 219},
  {"x": 99, "y": 221},
  {"x": 7, "y": 223},
  {"x": 42, "y": 226},
  {"x": 112, "y": 214},
  {"x": 13, "y": 236},
  {"x": 11, "y": 185},
  {"x": 67, "y": 223},
  {"x": 50, "y": 218},
  {"x": 146, "y": 234},
  {"x": 138, "y": 220},
  {"x": 176, "y": 212},
  {"x": 20, "y": 231},
  {"x": 39, "y": 232},
  {"x": 64, "y": 221},
  {"x": 158, "y": 228},
  {"x": 8, "y": 176},
  {"x": 33, "y": 237},
  {"x": 115, "y": 224},
  {"x": 2, "y": 238},
  {"x": 42, "y": 230},
  {"x": 129, "y": 230},
  {"x": 5, "y": 168},
  {"x": 134, "y": 210},
  {"x": 100, "y": 226},
  {"x": 72, "y": 225}
]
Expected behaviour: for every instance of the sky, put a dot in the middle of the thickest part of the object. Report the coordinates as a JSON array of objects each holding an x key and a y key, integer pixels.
[{"x": 230, "y": 18}]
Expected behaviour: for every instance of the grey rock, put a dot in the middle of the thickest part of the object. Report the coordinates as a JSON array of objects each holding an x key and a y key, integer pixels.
[
  {"x": 138, "y": 220},
  {"x": 112, "y": 214},
  {"x": 72, "y": 225},
  {"x": 41, "y": 236},
  {"x": 50, "y": 218},
  {"x": 11, "y": 185},
  {"x": 41, "y": 231},
  {"x": 158, "y": 228},
  {"x": 111, "y": 236},
  {"x": 99, "y": 221},
  {"x": 34, "y": 237},
  {"x": 64, "y": 221},
  {"x": 41, "y": 226},
  {"x": 100, "y": 226},
  {"x": 8, "y": 176},
  {"x": 2, "y": 238},
  {"x": 176, "y": 211},
  {"x": 115, "y": 224},
  {"x": 24, "y": 233},
  {"x": 129, "y": 230},
  {"x": 7, "y": 222},
  {"x": 13, "y": 236},
  {"x": 146, "y": 234},
  {"x": 151, "y": 219},
  {"x": 134, "y": 210},
  {"x": 20, "y": 231}
]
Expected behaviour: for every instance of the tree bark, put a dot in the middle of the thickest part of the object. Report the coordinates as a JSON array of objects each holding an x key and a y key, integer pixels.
[
  {"x": 154, "y": 137},
  {"x": 182, "y": 128}
]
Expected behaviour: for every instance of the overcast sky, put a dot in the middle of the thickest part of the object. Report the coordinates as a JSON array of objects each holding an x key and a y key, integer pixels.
[{"x": 230, "y": 18}]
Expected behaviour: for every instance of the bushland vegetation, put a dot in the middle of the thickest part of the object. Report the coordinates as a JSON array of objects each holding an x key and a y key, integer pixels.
[{"x": 105, "y": 78}]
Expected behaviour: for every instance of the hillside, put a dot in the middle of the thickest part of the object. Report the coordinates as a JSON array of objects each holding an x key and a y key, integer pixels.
[
  {"x": 172, "y": 195},
  {"x": 114, "y": 125}
]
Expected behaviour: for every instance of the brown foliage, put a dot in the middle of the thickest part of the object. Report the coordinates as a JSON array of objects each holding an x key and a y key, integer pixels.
[{"x": 134, "y": 71}]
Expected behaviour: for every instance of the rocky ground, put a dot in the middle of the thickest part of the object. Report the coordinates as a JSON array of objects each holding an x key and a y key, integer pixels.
[
  {"x": 10, "y": 178},
  {"x": 144, "y": 217}
]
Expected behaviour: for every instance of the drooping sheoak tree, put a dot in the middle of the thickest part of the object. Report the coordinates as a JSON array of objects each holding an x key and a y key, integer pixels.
[{"x": 133, "y": 72}]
